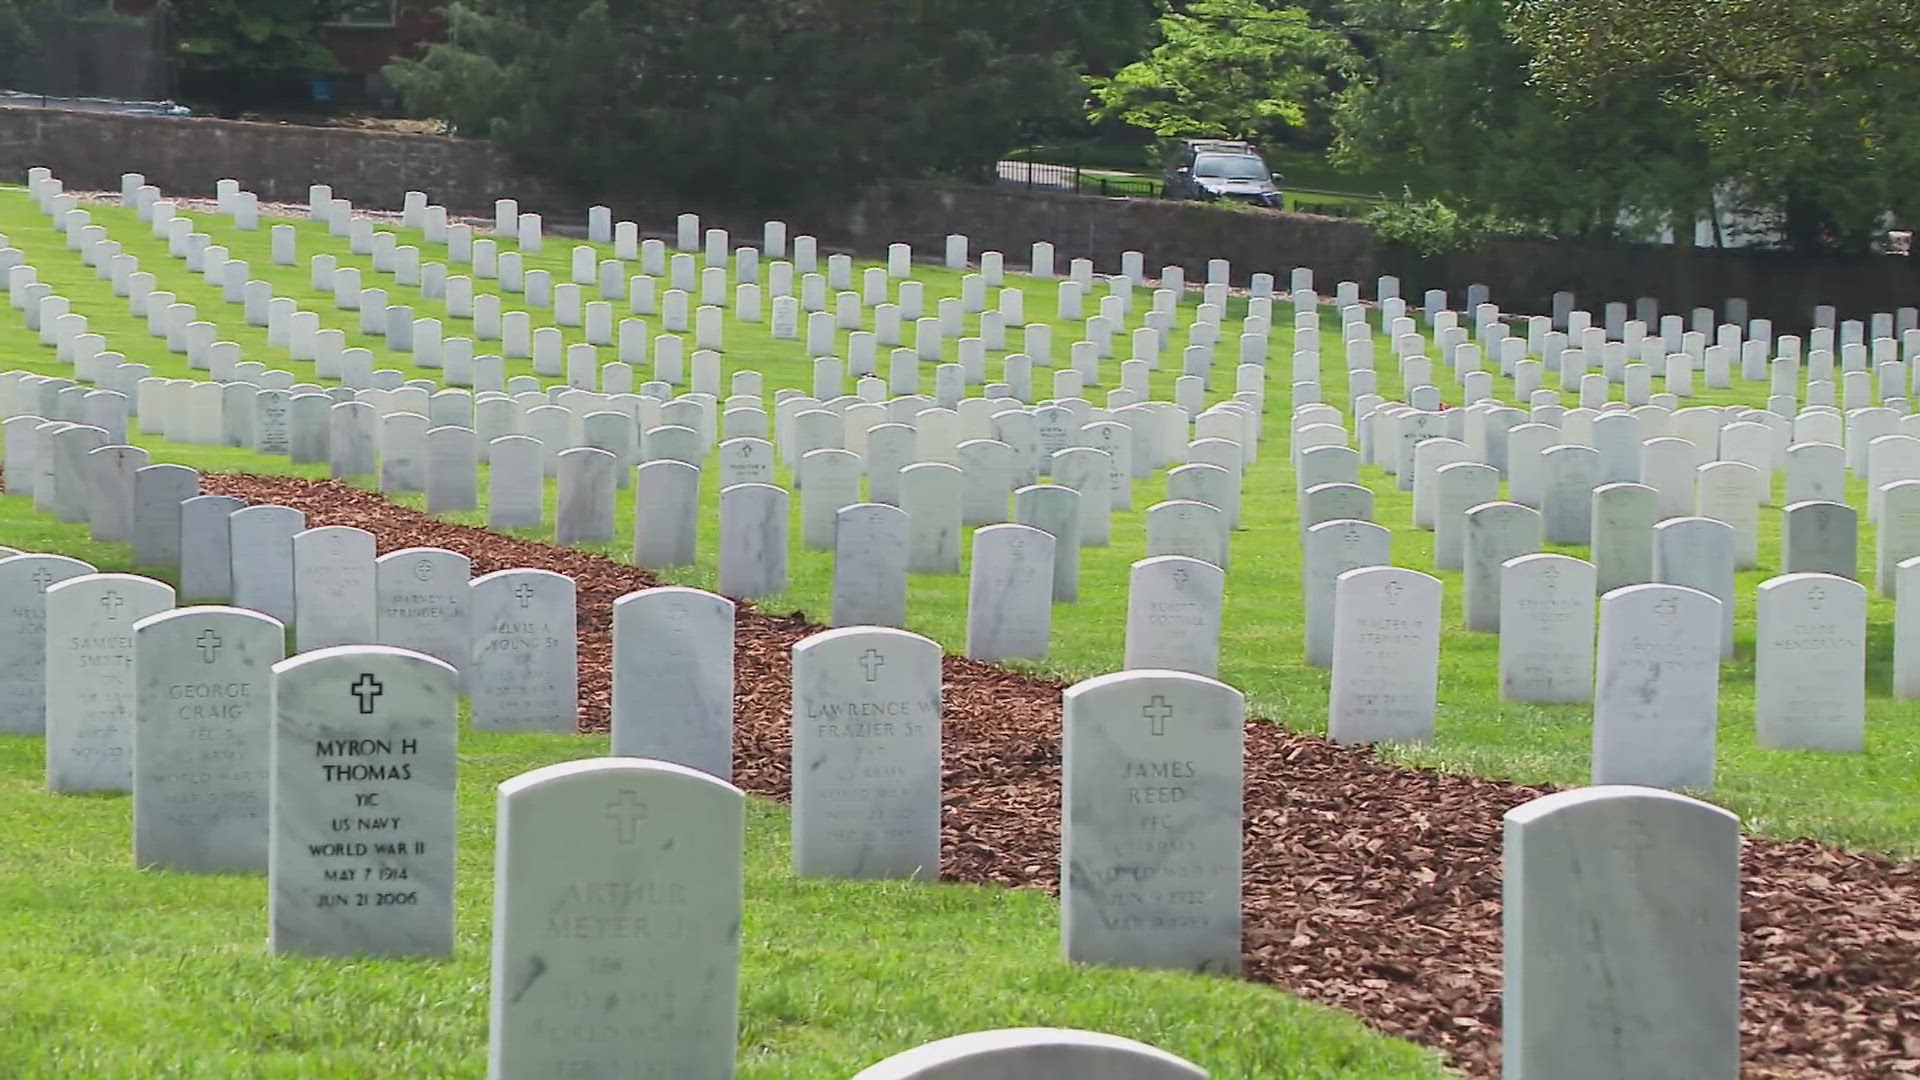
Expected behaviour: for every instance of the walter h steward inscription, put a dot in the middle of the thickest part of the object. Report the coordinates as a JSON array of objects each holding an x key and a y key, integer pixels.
[{"x": 361, "y": 856}]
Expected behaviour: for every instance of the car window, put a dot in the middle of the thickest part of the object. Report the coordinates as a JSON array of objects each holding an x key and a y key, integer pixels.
[{"x": 1229, "y": 167}]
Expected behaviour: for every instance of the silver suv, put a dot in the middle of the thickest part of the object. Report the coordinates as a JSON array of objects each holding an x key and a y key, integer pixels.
[{"x": 1210, "y": 169}]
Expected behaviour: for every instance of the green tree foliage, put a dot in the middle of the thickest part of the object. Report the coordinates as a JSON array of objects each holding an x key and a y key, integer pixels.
[
  {"x": 239, "y": 54},
  {"x": 1242, "y": 69},
  {"x": 1448, "y": 90},
  {"x": 765, "y": 102},
  {"x": 252, "y": 35},
  {"x": 1813, "y": 108}
]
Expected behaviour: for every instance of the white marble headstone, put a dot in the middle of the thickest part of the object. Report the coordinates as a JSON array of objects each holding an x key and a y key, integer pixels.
[
  {"x": 90, "y": 678},
  {"x": 1656, "y": 687},
  {"x": 1152, "y": 765},
  {"x": 617, "y": 882},
  {"x": 333, "y": 588},
  {"x": 362, "y": 838},
  {"x": 673, "y": 678},
  {"x": 424, "y": 603},
  {"x": 1033, "y": 1052},
  {"x": 203, "y": 679},
  {"x": 24, "y": 580},
  {"x": 1546, "y": 629},
  {"x": 1010, "y": 592},
  {"x": 525, "y": 670},
  {"x": 1810, "y": 663},
  {"x": 1621, "y": 927},
  {"x": 1386, "y": 656},
  {"x": 866, "y": 754},
  {"x": 1173, "y": 614}
]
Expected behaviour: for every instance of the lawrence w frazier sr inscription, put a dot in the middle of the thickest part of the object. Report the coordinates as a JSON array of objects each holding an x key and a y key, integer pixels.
[{"x": 866, "y": 754}]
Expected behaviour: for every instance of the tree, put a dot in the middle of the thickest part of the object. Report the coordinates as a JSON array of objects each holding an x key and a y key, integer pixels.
[
  {"x": 763, "y": 102},
  {"x": 1450, "y": 88},
  {"x": 1240, "y": 69},
  {"x": 239, "y": 53},
  {"x": 1810, "y": 109}
]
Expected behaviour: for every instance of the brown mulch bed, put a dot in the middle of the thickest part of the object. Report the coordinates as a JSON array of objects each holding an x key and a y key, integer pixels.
[{"x": 1368, "y": 887}]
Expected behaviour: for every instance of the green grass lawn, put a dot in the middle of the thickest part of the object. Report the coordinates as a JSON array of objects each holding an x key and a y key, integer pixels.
[
  {"x": 107, "y": 972},
  {"x": 113, "y": 973},
  {"x": 811, "y": 1015},
  {"x": 1867, "y": 799}
]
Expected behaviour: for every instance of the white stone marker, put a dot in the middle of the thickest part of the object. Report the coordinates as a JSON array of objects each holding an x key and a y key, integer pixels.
[
  {"x": 870, "y": 565},
  {"x": 1333, "y": 548},
  {"x": 333, "y": 588},
  {"x": 1495, "y": 532},
  {"x": 1621, "y": 929},
  {"x": 361, "y": 852},
  {"x": 1033, "y": 1052},
  {"x": 90, "y": 680},
  {"x": 1151, "y": 783},
  {"x": 616, "y": 881},
  {"x": 1010, "y": 593},
  {"x": 1656, "y": 697},
  {"x": 1546, "y": 629},
  {"x": 158, "y": 491},
  {"x": 673, "y": 678},
  {"x": 525, "y": 671},
  {"x": 202, "y": 725},
  {"x": 666, "y": 520},
  {"x": 260, "y": 540},
  {"x": 1697, "y": 552},
  {"x": 1386, "y": 656},
  {"x": 424, "y": 603},
  {"x": 1810, "y": 663},
  {"x": 866, "y": 755},
  {"x": 1174, "y": 607},
  {"x": 24, "y": 580},
  {"x": 753, "y": 541}
]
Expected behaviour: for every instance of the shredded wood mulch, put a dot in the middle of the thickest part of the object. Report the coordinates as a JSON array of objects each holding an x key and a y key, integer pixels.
[{"x": 1368, "y": 887}]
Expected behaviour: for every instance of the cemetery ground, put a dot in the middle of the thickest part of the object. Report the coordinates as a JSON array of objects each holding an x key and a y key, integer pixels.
[{"x": 837, "y": 974}]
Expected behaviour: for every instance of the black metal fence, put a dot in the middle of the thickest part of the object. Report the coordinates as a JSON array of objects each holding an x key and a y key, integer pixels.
[
  {"x": 75, "y": 50},
  {"x": 1078, "y": 178}
]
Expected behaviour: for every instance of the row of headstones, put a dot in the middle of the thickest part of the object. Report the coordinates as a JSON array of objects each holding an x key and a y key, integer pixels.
[
  {"x": 419, "y": 214},
  {"x": 456, "y": 500},
  {"x": 225, "y": 550},
  {"x": 1620, "y": 486},
  {"x": 1655, "y": 686},
  {"x": 1463, "y": 359},
  {"x": 360, "y": 854},
  {"x": 1665, "y": 909},
  {"x": 71, "y": 472},
  {"x": 187, "y": 334},
  {"x": 402, "y": 330},
  {"x": 358, "y": 844}
]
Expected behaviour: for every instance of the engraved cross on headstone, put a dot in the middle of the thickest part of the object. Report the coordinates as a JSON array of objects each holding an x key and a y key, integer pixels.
[
  {"x": 1393, "y": 591},
  {"x": 873, "y": 662},
  {"x": 1159, "y": 712},
  {"x": 42, "y": 578},
  {"x": 209, "y": 643},
  {"x": 367, "y": 688},
  {"x": 111, "y": 602},
  {"x": 626, "y": 813},
  {"x": 523, "y": 592}
]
